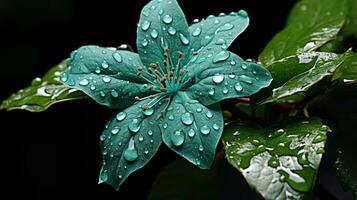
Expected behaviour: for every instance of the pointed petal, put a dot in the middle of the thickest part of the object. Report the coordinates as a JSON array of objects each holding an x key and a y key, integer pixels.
[
  {"x": 231, "y": 78},
  {"x": 162, "y": 25},
  {"x": 129, "y": 141},
  {"x": 108, "y": 76},
  {"x": 192, "y": 130}
]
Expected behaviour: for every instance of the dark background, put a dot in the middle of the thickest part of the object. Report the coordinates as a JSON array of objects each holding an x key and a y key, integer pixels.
[{"x": 55, "y": 154}]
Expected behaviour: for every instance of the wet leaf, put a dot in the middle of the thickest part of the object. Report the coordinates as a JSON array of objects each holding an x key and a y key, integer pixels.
[
  {"x": 310, "y": 25},
  {"x": 42, "y": 93},
  {"x": 180, "y": 180},
  {"x": 279, "y": 162},
  {"x": 347, "y": 73},
  {"x": 325, "y": 65}
]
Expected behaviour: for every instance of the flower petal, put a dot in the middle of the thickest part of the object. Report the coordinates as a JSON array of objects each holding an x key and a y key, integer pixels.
[
  {"x": 230, "y": 78},
  {"x": 192, "y": 130},
  {"x": 162, "y": 25},
  {"x": 108, "y": 76},
  {"x": 218, "y": 31},
  {"x": 129, "y": 141}
]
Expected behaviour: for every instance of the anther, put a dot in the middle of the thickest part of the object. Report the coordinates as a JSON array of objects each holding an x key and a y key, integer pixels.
[
  {"x": 138, "y": 73},
  {"x": 195, "y": 53},
  {"x": 181, "y": 72},
  {"x": 145, "y": 107},
  {"x": 137, "y": 98},
  {"x": 153, "y": 65},
  {"x": 163, "y": 89},
  {"x": 180, "y": 54},
  {"x": 139, "y": 68}
]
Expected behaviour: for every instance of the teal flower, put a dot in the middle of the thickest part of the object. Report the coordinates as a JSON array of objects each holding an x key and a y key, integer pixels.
[{"x": 170, "y": 91}]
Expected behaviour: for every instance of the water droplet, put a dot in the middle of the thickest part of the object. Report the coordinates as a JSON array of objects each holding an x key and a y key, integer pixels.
[
  {"x": 130, "y": 154},
  {"x": 191, "y": 132},
  {"x": 114, "y": 93},
  {"x": 319, "y": 138},
  {"x": 64, "y": 77},
  {"x": 103, "y": 176},
  {"x": 238, "y": 87},
  {"x": 115, "y": 130},
  {"x": 154, "y": 33},
  {"x": 199, "y": 109},
  {"x": 211, "y": 91},
  {"x": 184, "y": 40},
  {"x": 117, "y": 57},
  {"x": 273, "y": 162},
  {"x": 105, "y": 65},
  {"x": 216, "y": 21},
  {"x": 149, "y": 111},
  {"x": 164, "y": 126},
  {"x": 243, "y": 13},
  {"x": 209, "y": 114},
  {"x": 187, "y": 118},
  {"x": 221, "y": 56},
  {"x": 218, "y": 78},
  {"x": 145, "y": 26},
  {"x": 220, "y": 41},
  {"x": 103, "y": 137},
  {"x": 150, "y": 133},
  {"x": 134, "y": 126},
  {"x": 121, "y": 116},
  {"x": 145, "y": 42},
  {"x": 171, "y": 117},
  {"x": 83, "y": 82},
  {"x": 178, "y": 138},
  {"x": 215, "y": 127},
  {"x": 106, "y": 79},
  {"x": 161, "y": 11},
  {"x": 246, "y": 79},
  {"x": 277, "y": 133},
  {"x": 92, "y": 87},
  {"x": 167, "y": 19},
  {"x": 97, "y": 70},
  {"x": 244, "y": 67},
  {"x": 120, "y": 176},
  {"x": 102, "y": 94},
  {"x": 205, "y": 130},
  {"x": 141, "y": 138},
  {"x": 171, "y": 31},
  {"x": 200, "y": 148},
  {"x": 225, "y": 90},
  {"x": 196, "y": 32},
  {"x": 225, "y": 27}
]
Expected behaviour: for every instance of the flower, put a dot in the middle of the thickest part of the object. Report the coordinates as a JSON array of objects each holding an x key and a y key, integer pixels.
[{"x": 170, "y": 91}]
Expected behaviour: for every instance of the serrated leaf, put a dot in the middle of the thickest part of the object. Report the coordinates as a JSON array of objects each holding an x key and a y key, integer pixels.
[
  {"x": 43, "y": 93},
  {"x": 294, "y": 90},
  {"x": 279, "y": 162},
  {"x": 180, "y": 180},
  {"x": 310, "y": 25}
]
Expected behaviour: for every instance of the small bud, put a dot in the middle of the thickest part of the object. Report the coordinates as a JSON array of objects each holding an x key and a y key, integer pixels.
[
  {"x": 153, "y": 65},
  {"x": 137, "y": 98}
]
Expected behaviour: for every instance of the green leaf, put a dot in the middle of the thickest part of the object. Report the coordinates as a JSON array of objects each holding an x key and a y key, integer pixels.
[
  {"x": 310, "y": 25},
  {"x": 192, "y": 130},
  {"x": 294, "y": 90},
  {"x": 279, "y": 162},
  {"x": 351, "y": 24},
  {"x": 180, "y": 180},
  {"x": 219, "y": 30},
  {"x": 128, "y": 142},
  {"x": 42, "y": 93},
  {"x": 231, "y": 78},
  {"x": 106, "y": 75},
  {"x": 348, "y": 70},
  {"x": 162, "y": 26}
]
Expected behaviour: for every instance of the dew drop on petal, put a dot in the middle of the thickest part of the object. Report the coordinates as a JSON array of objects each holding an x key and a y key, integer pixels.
[
  {"x": 187, "y": 118},
  {"x": 205, "y": 130},
  {"x": 83, "y": 82},
  {"x": 134, "y": 126},
  {"x": 196, "y": 32},
  {"x": 218, "y": 78},
  {"x": 115, "y": 130},
  {"x": 131, "y": 154},
  {"x": 215, "y": 127},
  {"x": 145, "y": 26},
  {"x": 167, "y": 19},
  {"x": 221, "y": 56},
  {"x": 191, "y": 132},
  {"x": 150, "y": 132},
  {"x": 121, "y": 116},
  {"x": 178, "y": 138},
  {"x": 184, "y": 39},
  {"x": 149, "y": 111},
  {"x": 154, "y": 33},
  {"x": 211, "y": 91},
  {"x": 117, "y": 57},
  {"x": 171, "y": 31},
  {"x": 64, "y": 77},
  {"x": 105, "y": 65},
  {"x": 238, "y": 87},
  {"x": 246, "y": 79},
  {"x": 106, "y": 79},
  {"x": 209, "y": 114},
  {"x": 243, "y": 13},
  {"x": 114, "y": 93},
  {"x": 145, "y": 42}
]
